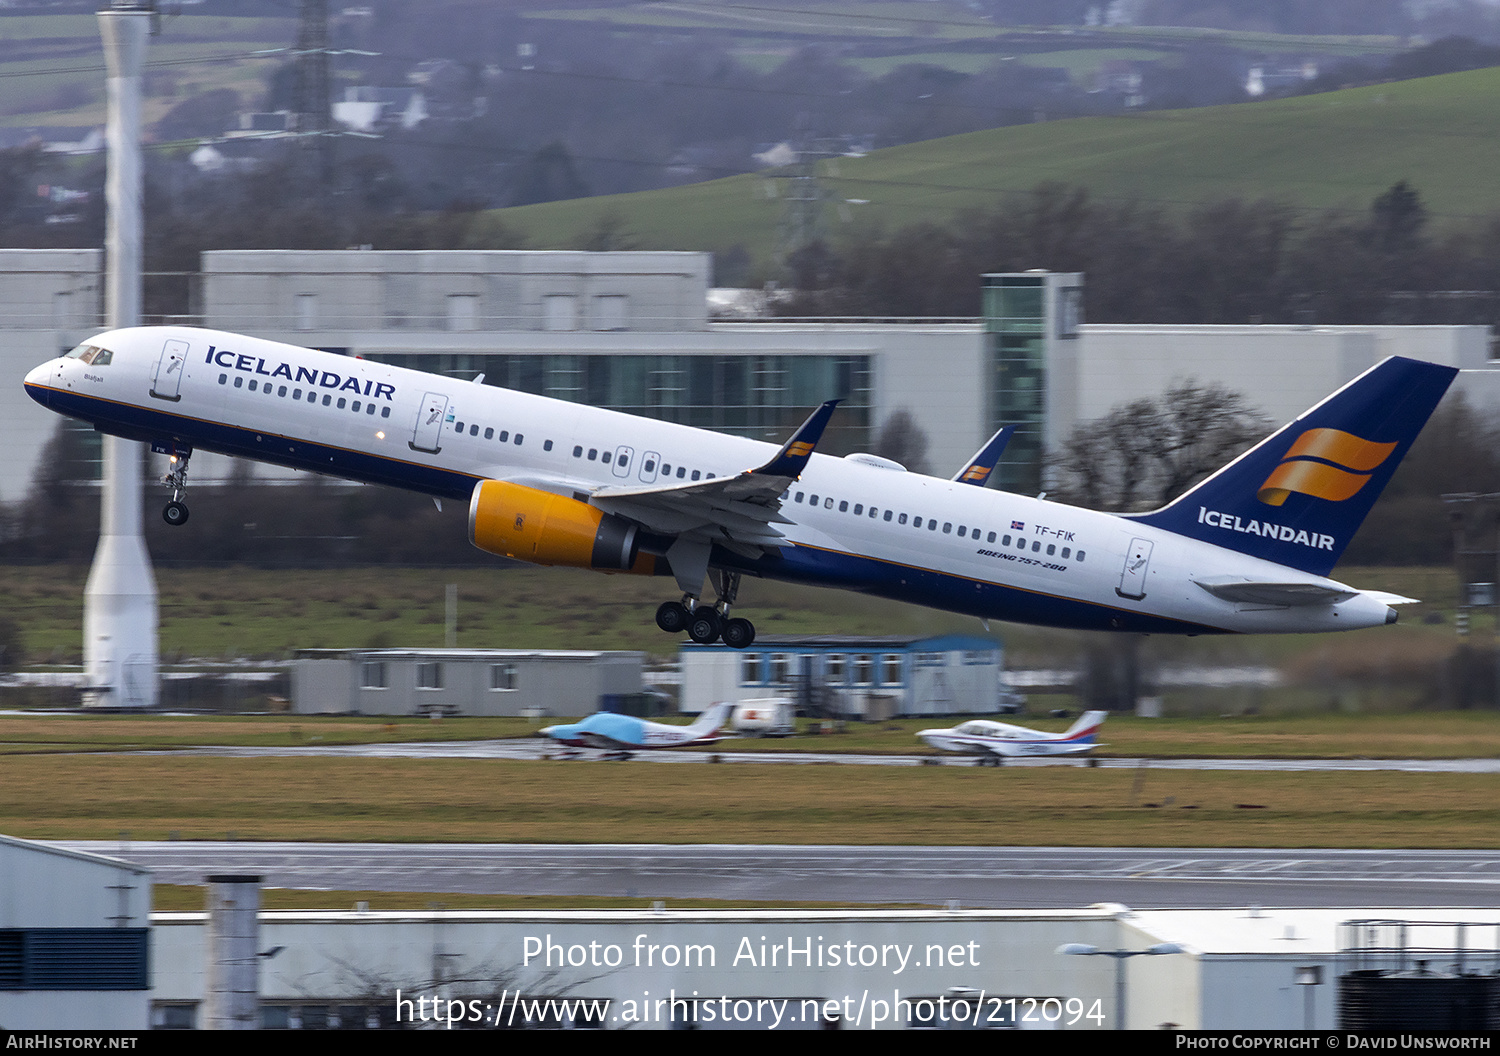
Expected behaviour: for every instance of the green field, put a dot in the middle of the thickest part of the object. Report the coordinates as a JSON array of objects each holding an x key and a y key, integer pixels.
[
  {"x": 1336, "y": 150},
  {"x": 459, "y": 800},
  {"x": 1417, "y": 735}
]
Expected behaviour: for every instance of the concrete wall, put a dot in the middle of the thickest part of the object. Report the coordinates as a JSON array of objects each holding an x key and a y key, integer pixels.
[{"x": 271, "y": 292}]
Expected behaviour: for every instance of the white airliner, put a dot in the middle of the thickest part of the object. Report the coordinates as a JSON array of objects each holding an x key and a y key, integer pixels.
[
  {"x": 993, "y": 741},
  {"x": 558, "y": 483}
]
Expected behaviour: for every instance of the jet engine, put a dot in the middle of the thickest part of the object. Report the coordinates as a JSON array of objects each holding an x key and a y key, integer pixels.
[{"x": 546, "y": 529}]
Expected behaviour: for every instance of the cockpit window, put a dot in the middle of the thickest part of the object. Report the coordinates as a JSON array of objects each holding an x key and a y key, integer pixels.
[{"x": 92, "y": 355}]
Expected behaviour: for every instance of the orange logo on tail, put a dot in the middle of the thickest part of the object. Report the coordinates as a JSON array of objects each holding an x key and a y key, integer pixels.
[{"x": 1353, "y": 459}]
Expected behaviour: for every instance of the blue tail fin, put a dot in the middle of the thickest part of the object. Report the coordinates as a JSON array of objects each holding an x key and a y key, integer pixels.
[{"x": 1298, "y": 497}]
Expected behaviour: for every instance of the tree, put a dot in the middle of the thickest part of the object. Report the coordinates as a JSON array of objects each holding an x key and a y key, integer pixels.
[
  {"x": 1147, "y": 452},
  {"x": 902, "y": 440}
]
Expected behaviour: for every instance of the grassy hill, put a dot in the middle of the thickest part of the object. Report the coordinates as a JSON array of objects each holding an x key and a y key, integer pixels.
[{"x": 1338, "y": 149}]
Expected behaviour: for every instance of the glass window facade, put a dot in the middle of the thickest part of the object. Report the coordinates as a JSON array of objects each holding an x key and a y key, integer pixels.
[{"x": 761, "y": 396}]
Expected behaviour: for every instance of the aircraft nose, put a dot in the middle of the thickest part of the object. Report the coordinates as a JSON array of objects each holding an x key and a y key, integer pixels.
[{"x": 36, "y": 383}]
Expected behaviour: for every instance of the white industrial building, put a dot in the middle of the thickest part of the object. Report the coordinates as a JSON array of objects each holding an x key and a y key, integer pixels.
[
  {"x": 1229, "y": 969},
  {"x": 462, "y": 681},
  {"x": 631, "y": 331},
  {"x": 869, "y": 678},
  {"x": 74, "y": 940}
]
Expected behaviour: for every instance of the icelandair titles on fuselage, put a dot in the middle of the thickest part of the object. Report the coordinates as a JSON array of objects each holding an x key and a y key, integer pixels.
[
  {"x": 1264, "y": 529},
  {"x": 323, "y": 379}
]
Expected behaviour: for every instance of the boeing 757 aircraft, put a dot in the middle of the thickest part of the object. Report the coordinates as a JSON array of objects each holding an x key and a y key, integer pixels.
[
  {"x": 993, "y": 741},
  {"x": 557, "y": 483}
]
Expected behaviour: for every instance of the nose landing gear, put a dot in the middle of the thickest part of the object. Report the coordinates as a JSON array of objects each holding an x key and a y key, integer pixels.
[{"x": 175, "y": 512}]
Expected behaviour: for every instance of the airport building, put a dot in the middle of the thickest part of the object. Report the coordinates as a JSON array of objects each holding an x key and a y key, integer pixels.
[
  {"x": 632, "y": 332},
  {"x": 461, "y": 681},
  {"x": 661, "y": 969},
  {"x": 869, "y": 678},
  {"x": 75, "y": 940}
]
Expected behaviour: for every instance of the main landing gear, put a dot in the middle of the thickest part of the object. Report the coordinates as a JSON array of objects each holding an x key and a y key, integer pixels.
[
  {"x": 707, "y": 623},
  {"x": 175, "y": 512}
]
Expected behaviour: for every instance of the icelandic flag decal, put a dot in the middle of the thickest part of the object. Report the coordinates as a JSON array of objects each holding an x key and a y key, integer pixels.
[{"x": 1017, "y": 526}]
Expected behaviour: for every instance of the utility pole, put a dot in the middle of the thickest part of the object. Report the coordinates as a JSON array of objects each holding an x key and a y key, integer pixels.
[{"x": 314, "y": 116}]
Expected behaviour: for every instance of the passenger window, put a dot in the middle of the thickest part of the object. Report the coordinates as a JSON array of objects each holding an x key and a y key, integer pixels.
[
  {"x": 901, "y": 519},
  {"x": 695, "y": 474},
  {"x": 887, "y": 514},
  {"x": 990, "y": 538},
  {"x": 489, "y": 432},
  {"x": 327, "y": 401},
  {"x": 473, "y": 430},
  {"x": 459, "y": 428},
  {"x": 1080, "y": 555},
  {"x": 1051, "y": 549},
  {"x": 1066, "y": 551},
  {"x": 370, "y": 408},
  {"x": 947, "y": 527},
  {"x": 355, "y": 407},
  {"x": 916, "y": 522},
  {"x": 239, "y": 382},
  {"x": 1035, "y": 547},
  {"x": 223, "y": 379},
  {"x": 624, "y": 459},
  {"x": 519, "y": 438},
  {"x": 252, "y": 384},
  {"x": 932, "y": 525},
  {"x": 858, "y": 508},
  {"x": 681, "y": 472},
  {"x": 593, "y": 454},
  {"x": 828, "y": 503},
  {"x": 605, "y": 458},
  {"x": 1003, "y": 542},
  {"x": 547, "y": 445},
  {"x": 281, "y": 391},
  {"x": 341, "y": 403},
  {"x": 961, "y": 531},
  {"x": 504, "y": 435},
  {"x": 799, "y": 496}
]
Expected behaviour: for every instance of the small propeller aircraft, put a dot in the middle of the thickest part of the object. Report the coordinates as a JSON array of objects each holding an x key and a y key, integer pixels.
[
  {"x": 993, "y": 741},
  {"x": 621, "y": 735}
]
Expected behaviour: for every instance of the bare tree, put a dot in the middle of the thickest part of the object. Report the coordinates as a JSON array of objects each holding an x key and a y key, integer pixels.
[
  {"x": 902, "y": 440},
  {"x": 1144, "y": 453}
]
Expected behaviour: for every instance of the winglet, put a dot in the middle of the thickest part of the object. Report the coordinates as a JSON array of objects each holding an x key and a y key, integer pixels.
[
  {"x": 791, "y": 460},
  {"x": 978, "y": 469}
]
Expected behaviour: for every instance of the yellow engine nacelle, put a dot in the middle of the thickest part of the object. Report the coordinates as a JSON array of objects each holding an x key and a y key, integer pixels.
[{"x": 546, "y": 529}]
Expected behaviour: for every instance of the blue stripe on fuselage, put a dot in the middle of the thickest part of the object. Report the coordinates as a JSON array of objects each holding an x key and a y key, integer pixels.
[
  {"x": 150, "y": 424},
  {"x": 943, "y": 590}
]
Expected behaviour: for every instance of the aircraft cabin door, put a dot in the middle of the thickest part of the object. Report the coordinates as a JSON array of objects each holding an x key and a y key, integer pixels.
[
  {"x": 622, "y": 461},
  {"x": 1137, "y": 563},
  {"x": 428, "y": 434},
  {"x": 166, "y": 379}
]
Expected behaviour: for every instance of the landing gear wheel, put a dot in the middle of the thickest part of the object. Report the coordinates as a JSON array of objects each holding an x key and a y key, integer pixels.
[
  {"x": 739, "y": 633},
  {"x": 672, "y": 617},
  {"x": 703, "y": 627},
  {"x": 175, "y": 513}
]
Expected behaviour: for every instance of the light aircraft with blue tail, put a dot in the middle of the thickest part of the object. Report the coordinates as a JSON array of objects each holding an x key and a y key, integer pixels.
[{"x": 623, "y": 734}]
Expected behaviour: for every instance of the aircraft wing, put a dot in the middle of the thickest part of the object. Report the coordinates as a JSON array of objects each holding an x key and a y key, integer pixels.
[{"x": 738, "y": 512}]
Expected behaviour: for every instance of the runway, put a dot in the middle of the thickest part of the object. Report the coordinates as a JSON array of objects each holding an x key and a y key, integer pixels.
[
  {"x": 537, "y": 748},
  {"x": 981, "y": 877}
]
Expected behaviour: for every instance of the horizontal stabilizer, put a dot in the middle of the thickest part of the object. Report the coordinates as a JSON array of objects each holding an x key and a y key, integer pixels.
[{"x": 1291, "y": 595}]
